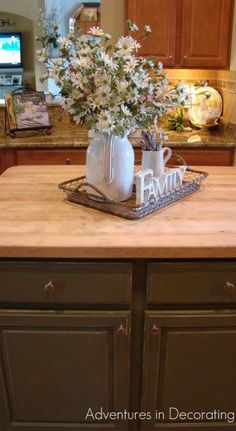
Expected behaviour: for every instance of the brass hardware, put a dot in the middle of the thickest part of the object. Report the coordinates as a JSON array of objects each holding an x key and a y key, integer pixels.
[
  {"x": 68, "y": 161},
  {"x": 49, "y": 287},
  {"x": 155, "y": 330},
  {"x": 229, "y": 287},
  {"x": 185, "y": 57},
  {"x": 171, "y": 58},
  {"x": 121, "y": 330}
]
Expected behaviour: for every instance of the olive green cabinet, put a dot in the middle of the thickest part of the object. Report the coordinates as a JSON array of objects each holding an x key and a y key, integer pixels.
[
  {"x": 64, "y": 344},
  {"x": 189, "y": 368},
  {"x": 55, "y": 366},
  {"x": 155, "y": 337},
  {"x": 190, "y": 346}
]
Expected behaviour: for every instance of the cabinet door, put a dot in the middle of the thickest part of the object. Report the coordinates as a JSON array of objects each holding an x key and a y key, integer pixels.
[
  {"x": 55, "y": 366},
  {"x": 206, "y": 33},
  {"x": 190, "y": 367},
  {"x": 162, "y": 19}
]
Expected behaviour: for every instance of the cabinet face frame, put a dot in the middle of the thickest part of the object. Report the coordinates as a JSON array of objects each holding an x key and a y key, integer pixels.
[
  {"x": 14, "y": 326},
  {"x": 157, "y": 383}
]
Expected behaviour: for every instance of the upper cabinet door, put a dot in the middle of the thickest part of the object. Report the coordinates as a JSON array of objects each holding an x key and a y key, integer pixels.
[
  {"x": 161, "y": 15},
  {"x": 206, "y": 33}
]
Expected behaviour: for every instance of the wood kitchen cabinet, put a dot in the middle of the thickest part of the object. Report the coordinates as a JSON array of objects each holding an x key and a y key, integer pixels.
[
  {"x": 162, "y": 17},
  {"x": 186, "y": 33},
  {"x": 198, "y": 156},
  {"x": 206, "y": 33}
]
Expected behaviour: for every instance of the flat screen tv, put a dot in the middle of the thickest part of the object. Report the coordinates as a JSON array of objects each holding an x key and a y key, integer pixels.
[{"x": 10, "y": 52}]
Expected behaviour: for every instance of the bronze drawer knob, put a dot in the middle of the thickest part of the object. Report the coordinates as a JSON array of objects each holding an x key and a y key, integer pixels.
[
  {"x": 68, "y": 161},
  {"x": 229, "y": 287},
  {"x": 49, "y": 287},
  {"x": 121, "y": 330},
  {"x": 155, "y": 330},
  {"x": 171, "y": 58}
]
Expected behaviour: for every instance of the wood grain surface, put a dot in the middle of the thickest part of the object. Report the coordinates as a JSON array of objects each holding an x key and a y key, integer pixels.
[{"x": 36, "y": 221}]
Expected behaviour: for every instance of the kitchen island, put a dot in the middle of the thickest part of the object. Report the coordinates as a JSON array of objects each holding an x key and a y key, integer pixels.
[{"x": 99, "y": 312}]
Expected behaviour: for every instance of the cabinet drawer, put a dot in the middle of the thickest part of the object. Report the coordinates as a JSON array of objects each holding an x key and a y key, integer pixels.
[
  {"x": 51, "y": 157},
  {"x": 190, "y": 283},
  {"x": 67, "y": 283}
]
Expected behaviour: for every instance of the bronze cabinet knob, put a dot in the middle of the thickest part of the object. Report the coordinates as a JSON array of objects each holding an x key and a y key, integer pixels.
[
  {"x": 171, "y": 57},
  {"x": 49, "y": 287},
  {"x": 155, "y": 330},
  {"x": 68, "y": 161},
  {"x": 121, "y": 330},
  {"x": 185, "y": 57},
  {"x": 229, "y": 287}
]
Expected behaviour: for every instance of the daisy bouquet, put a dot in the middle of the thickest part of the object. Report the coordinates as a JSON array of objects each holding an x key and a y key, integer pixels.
[{"x": 110, "y": 88}]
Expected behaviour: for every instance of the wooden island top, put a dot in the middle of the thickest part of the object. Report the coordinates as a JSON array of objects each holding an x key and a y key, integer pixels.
[{"x": 37, "y": 222}]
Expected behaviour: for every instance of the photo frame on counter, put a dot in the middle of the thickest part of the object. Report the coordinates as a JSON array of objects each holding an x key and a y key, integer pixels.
[{"x": 26, "y": 110}]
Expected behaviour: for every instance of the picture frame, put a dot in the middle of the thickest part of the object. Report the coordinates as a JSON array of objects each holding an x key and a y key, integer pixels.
[
  {"x": 26, "y": 110},
  {"x": 16, "y": 79}
]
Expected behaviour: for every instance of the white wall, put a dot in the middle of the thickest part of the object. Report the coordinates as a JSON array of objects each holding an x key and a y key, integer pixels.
[{"x": 113, "y": 17}]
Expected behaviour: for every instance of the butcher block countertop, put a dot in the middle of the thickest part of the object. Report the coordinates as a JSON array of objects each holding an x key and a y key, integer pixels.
[{"x": 37, "y": 222}]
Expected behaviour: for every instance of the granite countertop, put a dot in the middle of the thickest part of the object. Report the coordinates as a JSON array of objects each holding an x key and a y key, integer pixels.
[
  {"x": 65, "y": 133},
  {"x": 77, "y": 137}
]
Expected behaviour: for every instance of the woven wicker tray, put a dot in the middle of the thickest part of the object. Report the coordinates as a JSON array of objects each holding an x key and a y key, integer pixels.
[{"x": 76, "y": 192}]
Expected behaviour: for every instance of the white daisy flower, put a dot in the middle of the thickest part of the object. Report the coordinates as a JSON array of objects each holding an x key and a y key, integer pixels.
[
  {"x": 104, "y": 93},
  {"x": 107, "y": 60},
  {"x": 104, "y": 120},
  {"x": 103, "y": 80},
  {"x": 125, "y": 110},
  {"x": 95, "y": 102},
  {"x": 132, "y": 95},
  {"x": 65, "y": 41},
  {"x": 130, "y": 65},
  {"x": 96, "y": 31},
  {"x": 122, "y": 86},
  {"x": 133, "y": 27},
  {"x": 147, "y": 29},
  {"x": 127, "y": 44},
  {"x": 41, "y": 55}
]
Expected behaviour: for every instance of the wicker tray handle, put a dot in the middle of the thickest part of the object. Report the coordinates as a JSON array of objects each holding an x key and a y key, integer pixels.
[
  {"x": 179, "y": 159},
  {"x": 101, "y": 198}
]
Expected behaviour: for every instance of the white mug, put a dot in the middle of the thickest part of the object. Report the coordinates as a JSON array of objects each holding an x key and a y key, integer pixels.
[{"x": 156, "y": 160}]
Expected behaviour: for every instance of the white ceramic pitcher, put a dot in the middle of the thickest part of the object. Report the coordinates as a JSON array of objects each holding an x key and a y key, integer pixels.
[
  {"x": 110, "y": 165},
  {"x": 156, "y": 160}
]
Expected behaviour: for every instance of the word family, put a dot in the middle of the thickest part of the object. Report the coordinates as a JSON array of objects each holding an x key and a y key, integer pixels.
[{"x": 149, "y": 187}]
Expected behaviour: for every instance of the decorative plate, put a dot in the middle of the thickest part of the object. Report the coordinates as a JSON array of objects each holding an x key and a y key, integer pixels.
[{"x": 206, "y": 107}]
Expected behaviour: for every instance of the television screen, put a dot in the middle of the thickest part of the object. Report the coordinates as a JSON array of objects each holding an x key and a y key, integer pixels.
[{"x": 10, "y": 50}]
